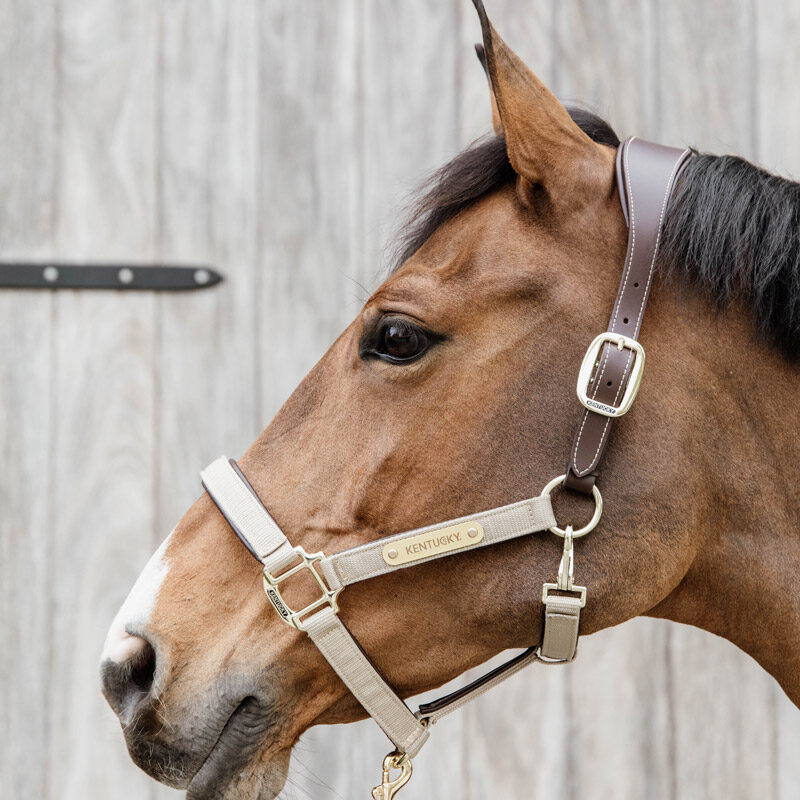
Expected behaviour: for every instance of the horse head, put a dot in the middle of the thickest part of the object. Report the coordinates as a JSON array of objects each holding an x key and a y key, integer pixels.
[{"x": 451, "y": 392}]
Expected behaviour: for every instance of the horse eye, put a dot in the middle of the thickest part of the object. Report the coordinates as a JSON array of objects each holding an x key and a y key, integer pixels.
[{"x": 400, "y": 340}]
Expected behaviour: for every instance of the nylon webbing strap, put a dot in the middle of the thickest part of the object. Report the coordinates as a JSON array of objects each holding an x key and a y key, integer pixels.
[
  {"x": 239, "y": 504},
  {"x": 562, "y": 617},
  {"x": 252, "y": 523},
  {"x": 246, "y": 514},
  {"x": 497, "y": 525},
  {"x": 351, "y": 664}
]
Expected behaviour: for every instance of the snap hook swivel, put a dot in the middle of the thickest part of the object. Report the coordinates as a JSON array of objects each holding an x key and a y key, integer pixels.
[{"x": 389, "y": 787}]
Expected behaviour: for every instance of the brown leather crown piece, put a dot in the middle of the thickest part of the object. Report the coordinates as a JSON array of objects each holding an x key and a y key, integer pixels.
[{"x": 646, "y": 177}]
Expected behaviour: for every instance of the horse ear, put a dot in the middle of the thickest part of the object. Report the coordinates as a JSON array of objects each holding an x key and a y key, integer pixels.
[
  {"x": 545, "y": 147},
  {"x": 496, "y": 123}
]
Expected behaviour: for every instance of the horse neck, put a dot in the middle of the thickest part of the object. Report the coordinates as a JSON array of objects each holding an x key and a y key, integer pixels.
[{"x": 742, "y": 583}]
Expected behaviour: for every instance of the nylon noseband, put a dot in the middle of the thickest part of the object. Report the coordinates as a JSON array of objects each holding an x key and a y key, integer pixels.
[{"x": 607, "y": 385}]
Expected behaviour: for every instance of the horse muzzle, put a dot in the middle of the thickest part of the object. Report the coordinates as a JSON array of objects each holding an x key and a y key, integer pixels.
[{"x": 203, "y": 744}]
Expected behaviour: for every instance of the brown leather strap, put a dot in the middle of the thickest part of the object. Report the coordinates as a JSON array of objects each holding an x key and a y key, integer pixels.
[{"x": 646, "y": 175}]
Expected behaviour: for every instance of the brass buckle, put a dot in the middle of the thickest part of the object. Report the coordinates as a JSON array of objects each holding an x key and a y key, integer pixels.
[
  {"x": 288, "y": 615},
  {"x": 590, "y": 363}
]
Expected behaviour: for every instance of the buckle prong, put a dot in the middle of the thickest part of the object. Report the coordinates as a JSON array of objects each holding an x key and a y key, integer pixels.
[{"x": 589, "y": 366}]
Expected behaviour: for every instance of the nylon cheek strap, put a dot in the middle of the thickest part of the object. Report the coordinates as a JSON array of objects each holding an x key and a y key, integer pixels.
[{"x": 252, "y": 523}]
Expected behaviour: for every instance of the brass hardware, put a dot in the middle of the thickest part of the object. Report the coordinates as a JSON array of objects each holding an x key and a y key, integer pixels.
[
  {"x": 432, "y": 543},
  {"x": 590, "y": 363},
  {"x": 288, "y": 615},
  {"x": 591, "y": 525},
  {"x": 391, "y": 786}
]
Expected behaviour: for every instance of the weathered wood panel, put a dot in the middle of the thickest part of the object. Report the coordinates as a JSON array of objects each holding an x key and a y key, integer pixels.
[
  {"x": 28, "y": 134},
  {"x": 103, "y": 378},
  {"x": 276, "y": 140},
  {"x": 311, "y": 230},
  {"x": 708, "y": 96}
]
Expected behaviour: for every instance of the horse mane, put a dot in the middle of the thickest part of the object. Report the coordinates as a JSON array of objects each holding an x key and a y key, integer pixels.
[{"x": 731, "y": 231}]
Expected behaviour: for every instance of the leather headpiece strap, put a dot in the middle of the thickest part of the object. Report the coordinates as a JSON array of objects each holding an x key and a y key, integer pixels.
[{"x": 646, "y": 175}]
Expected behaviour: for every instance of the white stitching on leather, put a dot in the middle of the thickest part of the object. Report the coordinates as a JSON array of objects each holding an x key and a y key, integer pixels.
[
  {"x": 629, "y": 192},
  {"x": 632, "y": 213},
  {"x": 581, "y": 473},
  {"x": 678, "y": 163}
]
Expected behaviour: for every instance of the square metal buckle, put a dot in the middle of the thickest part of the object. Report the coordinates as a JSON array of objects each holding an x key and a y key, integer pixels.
[
  {"x": 288, "y": 615},
  {"x": 554, "y": 587},
  {"x": 590, "y": 364}
]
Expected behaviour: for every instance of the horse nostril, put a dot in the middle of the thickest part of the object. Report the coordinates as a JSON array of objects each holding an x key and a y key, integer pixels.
[
  {"x": 143, "y": 668},
  {"x": 125, "y": 682}
]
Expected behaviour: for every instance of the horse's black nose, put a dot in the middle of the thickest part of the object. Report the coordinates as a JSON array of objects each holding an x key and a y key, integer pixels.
[{"x": 128, "y": 680}]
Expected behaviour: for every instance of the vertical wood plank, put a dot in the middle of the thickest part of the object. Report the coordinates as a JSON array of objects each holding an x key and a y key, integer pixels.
[
  {"x": 409, "y": 107},
  {"x": 208, "y": 189},
  {"x": 606, "y": 62},
  {"x": 207, "y": 201},
  {"x": 27, "y": 131},
  {"x": 310, "y": 192},
  {"x": 309, "y": 206},
  {"x": 103, "y": 380},
  {"x": 722, "y": 701},
  {"x": 705, "y": 67},
  {"x": 777, "y": 63}
]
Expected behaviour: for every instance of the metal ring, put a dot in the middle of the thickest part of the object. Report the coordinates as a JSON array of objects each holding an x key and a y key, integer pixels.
[{"x": 591, "y": 525}]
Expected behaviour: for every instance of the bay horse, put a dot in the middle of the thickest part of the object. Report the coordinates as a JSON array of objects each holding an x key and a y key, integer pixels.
[{"x": 452, "y": 392}]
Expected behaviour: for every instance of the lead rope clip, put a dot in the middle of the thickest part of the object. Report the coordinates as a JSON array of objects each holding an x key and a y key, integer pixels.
[
  {"x": 391, "y": 786},
  {"x": 566, "y": 569}
]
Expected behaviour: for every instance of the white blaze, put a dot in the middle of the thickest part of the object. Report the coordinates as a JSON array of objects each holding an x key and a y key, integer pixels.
[{"x": 135, "y": 612}]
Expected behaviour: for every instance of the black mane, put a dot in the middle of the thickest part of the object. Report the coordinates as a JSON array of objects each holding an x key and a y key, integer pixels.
[{"x": 731, "y": 232}]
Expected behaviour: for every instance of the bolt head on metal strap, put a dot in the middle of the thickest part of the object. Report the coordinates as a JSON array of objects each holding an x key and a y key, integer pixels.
[
  {"x": 297, "y": 618},
  {"x": 589, "y": 366}
]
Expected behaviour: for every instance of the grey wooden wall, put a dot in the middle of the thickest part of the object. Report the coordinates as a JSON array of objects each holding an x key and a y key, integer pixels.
[{"x": 275, "y": 139}]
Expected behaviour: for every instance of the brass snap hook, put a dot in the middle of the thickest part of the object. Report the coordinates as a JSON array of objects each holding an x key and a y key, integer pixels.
[{"x": 389, "y": 786}]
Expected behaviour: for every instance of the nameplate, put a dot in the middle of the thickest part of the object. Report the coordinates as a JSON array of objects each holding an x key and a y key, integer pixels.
[{"x": 432, "y": 543}]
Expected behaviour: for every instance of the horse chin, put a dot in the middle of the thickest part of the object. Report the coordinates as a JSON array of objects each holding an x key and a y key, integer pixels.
[
  {"x": 262, "y": 778},
  {"x": 226, "y": 745},
  {"x": 241, "y": 765}
]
